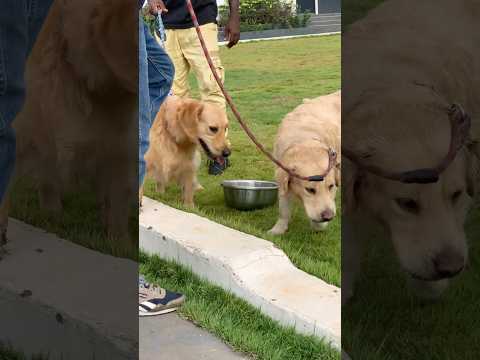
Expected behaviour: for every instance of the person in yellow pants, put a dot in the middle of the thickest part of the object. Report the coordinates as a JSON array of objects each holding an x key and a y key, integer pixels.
[{"x": 183, "y": 46}]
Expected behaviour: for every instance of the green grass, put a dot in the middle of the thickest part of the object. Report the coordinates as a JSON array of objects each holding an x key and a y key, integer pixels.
[
  {"x": 267, "y": 80},
  {"x": 79, "y": 221},
  {"x": 7, "y": 352},
  {"x": 233, "y": 320}
]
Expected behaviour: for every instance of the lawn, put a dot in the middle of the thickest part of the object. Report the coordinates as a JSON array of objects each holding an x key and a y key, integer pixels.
[
  {"x": 267, "y": 80},
  {"x": 233, "y": 320}
]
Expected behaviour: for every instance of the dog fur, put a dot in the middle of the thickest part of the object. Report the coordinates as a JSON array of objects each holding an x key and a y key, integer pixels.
[
  {"x": 180, "y": 128},
  {"x": 302, "y": 144},
  {"x": 397, "y": 87}
]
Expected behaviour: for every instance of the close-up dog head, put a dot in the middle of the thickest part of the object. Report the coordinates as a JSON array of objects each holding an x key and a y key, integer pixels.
[
  {"x": 318, "y": 198},
  {"x": 203, "y": 124},
  {"x": 424, "y": 221}
]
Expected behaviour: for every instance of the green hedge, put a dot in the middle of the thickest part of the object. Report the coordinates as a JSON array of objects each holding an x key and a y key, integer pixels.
[{"x": 257, "y": 15}]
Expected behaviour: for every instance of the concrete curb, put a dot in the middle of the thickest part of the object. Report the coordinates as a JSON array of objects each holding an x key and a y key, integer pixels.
[
  {"x": 223, "y": 43},
  {"x": 252, "y": 268},
  {"x": 64, "y": 300}
]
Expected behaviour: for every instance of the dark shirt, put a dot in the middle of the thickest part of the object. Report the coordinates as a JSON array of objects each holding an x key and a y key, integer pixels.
[
  {"x": 178, "y": 16},
  {"x": 140, "y": 4}
]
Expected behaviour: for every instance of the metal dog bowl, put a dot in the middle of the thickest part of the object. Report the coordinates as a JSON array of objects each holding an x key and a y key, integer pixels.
[{"x": 249, "y": 194}]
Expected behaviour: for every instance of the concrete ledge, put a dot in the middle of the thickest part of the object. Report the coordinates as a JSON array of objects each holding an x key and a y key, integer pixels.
[
  {"x": 252, "y": 268},
  {"x": 60, "y": 299},
  {"x": 223, "y": 43}
]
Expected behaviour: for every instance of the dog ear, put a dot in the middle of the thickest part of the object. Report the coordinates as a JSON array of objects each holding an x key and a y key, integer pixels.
[
  {"x": 351, "y": 185},
  {"x": 338, "y": 177},
  {"x": 473, "y": 169},
  {"x": 119, "y": 53},
  {"x": 188, "y": 117},
  {"x": 283, "y": 181}
]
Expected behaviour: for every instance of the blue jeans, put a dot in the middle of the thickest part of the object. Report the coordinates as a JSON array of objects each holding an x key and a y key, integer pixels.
[
  {"x": 20, "y": 23},
  {"x": 156, "y": 74}
]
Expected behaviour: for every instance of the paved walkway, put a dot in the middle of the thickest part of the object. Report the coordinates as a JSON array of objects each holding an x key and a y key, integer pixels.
[{"x": 168, "y": 337}]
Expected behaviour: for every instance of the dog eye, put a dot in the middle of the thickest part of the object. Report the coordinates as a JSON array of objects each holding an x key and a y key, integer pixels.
[
  {"x": 331, "y": 187},
  {"x": 456, "y": 195},
  {"x": 408, "y": 205},
  {"x": 311, "y": 190},
  {"x": 213, "y": 129}
]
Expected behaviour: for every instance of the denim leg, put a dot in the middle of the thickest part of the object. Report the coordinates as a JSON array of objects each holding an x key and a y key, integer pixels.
[
  {"x": 160, "y": 73},
  {"x": 144, "y": 122},
  {"x": 155, "y": 81},
  {"x": 13, "y": 54},
  {"x": 37, "y": 13},
  {"x": 20, "y": 22}
]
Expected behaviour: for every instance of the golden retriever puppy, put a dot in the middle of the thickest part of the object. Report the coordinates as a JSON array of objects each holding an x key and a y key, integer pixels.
[
  {"x": 180, "y": 128},
  {"x": 303, "y": 140},
  {"x": 396, "y": 117},
  {"x": 81, "y": 108}
]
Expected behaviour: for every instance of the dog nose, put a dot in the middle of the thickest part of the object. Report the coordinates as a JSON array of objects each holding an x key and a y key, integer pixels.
[
  {"x": 226, "y": 152},
  {"x": 327, "y": 215},
  {"x": 448, "y": 263}
]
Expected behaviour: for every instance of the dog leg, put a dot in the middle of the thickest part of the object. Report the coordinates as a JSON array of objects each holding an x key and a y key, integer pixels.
[
  {"x": 50, "y": 198},
  {"x": 140, "y": 197},
  {"x": 429, "y": 290},
  {"x": 160, "y": 187},
  {"x": 197, "y": 162},
  {"x": 188, "y": 191},
  {"x": 282, "y": 224},
  {"x": 197, "y": 186},
  {"x": 351, "y": 257},
  {"x": 3, "y": 224}
]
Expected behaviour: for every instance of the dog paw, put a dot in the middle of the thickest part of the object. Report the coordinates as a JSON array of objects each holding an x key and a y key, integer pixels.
[
  {"x": 319, "y": 226},
  {"x": 189, "y": 205},
  {"x": 429, "y": 291},
  {"x": 278, "y": 229},
  {"x": 199, "y": 187}
]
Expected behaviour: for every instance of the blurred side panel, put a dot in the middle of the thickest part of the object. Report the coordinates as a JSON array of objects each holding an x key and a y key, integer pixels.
[
  {"x": 69, "y": 216},
  {"x": 410, "y": 176}
]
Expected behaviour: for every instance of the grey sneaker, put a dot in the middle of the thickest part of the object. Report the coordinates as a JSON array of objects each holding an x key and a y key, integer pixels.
[{"x": 153, "y": 300}]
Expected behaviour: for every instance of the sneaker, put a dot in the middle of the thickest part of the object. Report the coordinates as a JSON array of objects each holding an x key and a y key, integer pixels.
[
  {"x": 218, "y": 166},
  {"x": 154, "y": 300}
]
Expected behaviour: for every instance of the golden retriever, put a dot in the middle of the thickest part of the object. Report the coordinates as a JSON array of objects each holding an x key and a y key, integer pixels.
[
  {"x": 80, "y": 117},
  {"x": 395, "y": 117},
  {"x": 180, "y": 128},
  {"x": 303, "y": 140}
]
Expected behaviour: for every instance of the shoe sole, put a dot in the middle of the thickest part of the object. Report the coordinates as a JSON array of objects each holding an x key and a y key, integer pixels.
[{"x": 161, "y": 312}]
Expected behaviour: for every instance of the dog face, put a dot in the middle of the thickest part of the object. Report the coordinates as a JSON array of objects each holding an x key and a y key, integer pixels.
[
  {"x": 425, "y": 221},
  {"x": 318, "y": 198},
  {"x": 205, "y": 124}
]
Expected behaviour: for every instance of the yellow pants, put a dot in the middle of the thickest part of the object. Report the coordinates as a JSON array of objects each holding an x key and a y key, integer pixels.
[{"x": 184, "y": 49}]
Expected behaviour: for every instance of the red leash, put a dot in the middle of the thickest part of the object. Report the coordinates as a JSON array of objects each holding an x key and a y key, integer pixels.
[{"x": 332, "y": 156}]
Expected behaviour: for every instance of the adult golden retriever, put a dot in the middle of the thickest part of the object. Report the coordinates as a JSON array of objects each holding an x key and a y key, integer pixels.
[
  {"x": 302, "y": 144},
  {"x": 404, "y": 64},
  {"x": 80, "y": 118},
  {"x": 180, "y": 128}
]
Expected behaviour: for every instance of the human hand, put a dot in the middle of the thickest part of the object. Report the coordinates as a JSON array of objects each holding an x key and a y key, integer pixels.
[
  {"x": 232, "y": 31},
  {"x": 156, "y": 6}
]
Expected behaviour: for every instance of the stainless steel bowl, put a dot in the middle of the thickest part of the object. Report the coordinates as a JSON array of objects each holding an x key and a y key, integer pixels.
[{"x": 249, "y": 194}]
